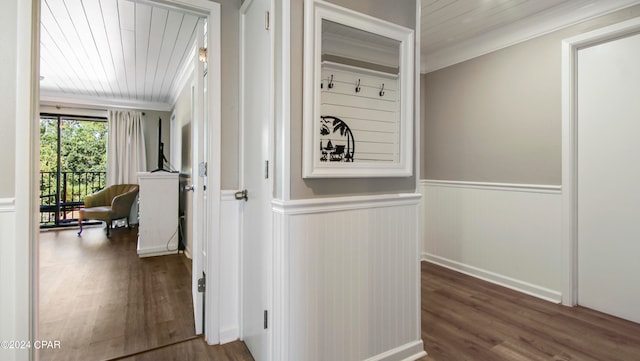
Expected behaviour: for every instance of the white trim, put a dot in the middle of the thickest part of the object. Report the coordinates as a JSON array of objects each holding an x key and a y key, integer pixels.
[
  {"x": 80, "y": 111},
  {"x": 229, "y": 335},
  {"x": 325, "y": 205},
  {"x": 241, "y": 102},
  {"x": 213, "y": 293},
  {"x": 570, "y": 48},
  {"x": 409, "y": 352},
  {"x": 545, "y": 22},
  {"x": 7, "y": 205},
  {"x": 104, "y": 102},
  {"x": 21, "y": 318},
  {"x": 417, "y": 123},
  {"x": 228, "y": 195},
  {"x": 154, "y": 251},
  {"x": 286, "y": 101},
  {"x": 314, "y": 12},
  {"x": 495, "y": 278},
  {"x": 513, "y": 187}
]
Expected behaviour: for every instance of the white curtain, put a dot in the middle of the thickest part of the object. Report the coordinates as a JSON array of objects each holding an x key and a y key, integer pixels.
[{"x": 126, "y": 154}]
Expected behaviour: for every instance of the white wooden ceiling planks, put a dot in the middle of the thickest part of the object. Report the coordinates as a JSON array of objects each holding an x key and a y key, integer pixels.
[
  {"x": 129, "y": 51},
  {"x": 113, "y": 49}
]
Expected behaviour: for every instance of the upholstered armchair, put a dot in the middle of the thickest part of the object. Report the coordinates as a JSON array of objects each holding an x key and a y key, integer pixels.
[{"x": 111, "y": 203}]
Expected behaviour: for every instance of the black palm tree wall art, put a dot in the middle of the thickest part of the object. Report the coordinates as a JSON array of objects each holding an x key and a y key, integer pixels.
[{"x": 336, "y": 153}]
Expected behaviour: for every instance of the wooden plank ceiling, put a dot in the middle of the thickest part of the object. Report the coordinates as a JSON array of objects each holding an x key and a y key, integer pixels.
[
  {"x": 457, "y": 30},
  {"x": 446, "y": 22},
  {"x": 131, "y": 51},
  {"x": 113, "y": 49}
]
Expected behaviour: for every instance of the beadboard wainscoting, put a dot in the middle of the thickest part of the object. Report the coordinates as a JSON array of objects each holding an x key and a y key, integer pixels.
[
  {"x": 346, "y": 279},
  {"x": 229, "y": 267},
  {"x": 508, "y": 234},
  {"x": 8, "y": 279}
]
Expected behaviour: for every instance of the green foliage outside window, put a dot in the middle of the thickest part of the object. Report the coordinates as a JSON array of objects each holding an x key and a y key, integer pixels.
[
  {"x": 83, "y": 145},
  {"x": 83, "y": 161}
]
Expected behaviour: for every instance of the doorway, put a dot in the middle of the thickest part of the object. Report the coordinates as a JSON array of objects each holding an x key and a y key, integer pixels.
[
  {"x": 208, "y": 118},
  {"x": 600, "y": 124}
]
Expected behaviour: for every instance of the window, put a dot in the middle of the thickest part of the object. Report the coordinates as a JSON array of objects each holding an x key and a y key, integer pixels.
[{"x": 73, "y": 164}]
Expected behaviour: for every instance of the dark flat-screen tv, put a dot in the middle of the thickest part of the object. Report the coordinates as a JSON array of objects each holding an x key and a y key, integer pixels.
[{"x": 161, "y": 158}]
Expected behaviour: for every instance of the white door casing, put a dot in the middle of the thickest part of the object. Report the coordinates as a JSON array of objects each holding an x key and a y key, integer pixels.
[
  {"x": 573, "y": 187},
  {"x": 198, "y": 230},
  {"x": 256, "y": 114},
  {"x": 608, "y": 195},
  {"x": 206, "y": 126}
]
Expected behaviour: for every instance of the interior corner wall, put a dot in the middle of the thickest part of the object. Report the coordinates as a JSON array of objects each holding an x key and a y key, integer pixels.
[
  {"x": 230, "y": 72},
  {"x": 422, "y": 120},
  {"x": 399, "y": 12},
  {"x": 497, "y": 118}
]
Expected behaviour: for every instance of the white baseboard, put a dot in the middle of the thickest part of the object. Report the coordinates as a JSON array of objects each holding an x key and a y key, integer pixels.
[
  {"x": 407, "y": 352},
  {"x": 155, "y": 251},
  {"x": 229, "y": 335},
  {"x": 517, "y": 285}
]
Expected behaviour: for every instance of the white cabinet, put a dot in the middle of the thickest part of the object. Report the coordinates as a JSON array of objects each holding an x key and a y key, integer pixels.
[{"x": 158, "y": 214}]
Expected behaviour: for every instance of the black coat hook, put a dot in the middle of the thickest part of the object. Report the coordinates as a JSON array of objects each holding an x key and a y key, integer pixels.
[
  {"x": 330, "y": 82},
  {"x": 358, "y": 86},
  {"x": 382, "y": 90}
]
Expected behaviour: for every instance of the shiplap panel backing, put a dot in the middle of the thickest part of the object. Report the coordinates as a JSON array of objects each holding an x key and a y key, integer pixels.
[{"x": 372, "y": 118}]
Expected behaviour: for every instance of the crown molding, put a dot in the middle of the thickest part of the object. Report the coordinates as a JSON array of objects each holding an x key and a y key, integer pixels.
[
  {"x": 101, "y": 102},
  {"x": 559, "y": 17}
]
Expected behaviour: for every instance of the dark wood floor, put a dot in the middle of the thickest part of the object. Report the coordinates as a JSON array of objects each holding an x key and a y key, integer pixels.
[
  {"x": 101, "y": 301},
  {"x": 464, "y": 318},
  {"x": 196, "y": 350}
]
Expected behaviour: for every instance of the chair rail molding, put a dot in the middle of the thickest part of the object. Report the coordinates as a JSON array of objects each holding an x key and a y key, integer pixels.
[
  {"x": 515, "y": 187},
  {"x": 321, "y": 205},
  {"x": 7, "y": 205}
]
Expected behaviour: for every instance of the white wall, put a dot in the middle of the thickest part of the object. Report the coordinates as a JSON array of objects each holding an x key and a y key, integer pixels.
[
  {"x": 8, "y": 297},
  {"x": 346, "y": 279},
  {"x": 229, "y": 267},
  {"x": 183, "y": 116},
  {"x": 503, "y": 233},
  {"x": 17, "y": 75}
]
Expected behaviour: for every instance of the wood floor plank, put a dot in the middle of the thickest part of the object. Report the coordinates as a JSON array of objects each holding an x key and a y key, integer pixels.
[
  {"x": 195, "y": 350},
  {"x": 461, "y": 313},
  {"x": 102, "y": 301}
]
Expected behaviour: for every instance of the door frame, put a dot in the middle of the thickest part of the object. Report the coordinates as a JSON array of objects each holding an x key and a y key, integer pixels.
[
  {"x": 570, "y": 49},
  {"x": 27, "y": 160}
]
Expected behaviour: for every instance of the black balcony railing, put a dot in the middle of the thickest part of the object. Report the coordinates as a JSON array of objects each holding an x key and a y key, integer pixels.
[{"x": 62, "y": 195}]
